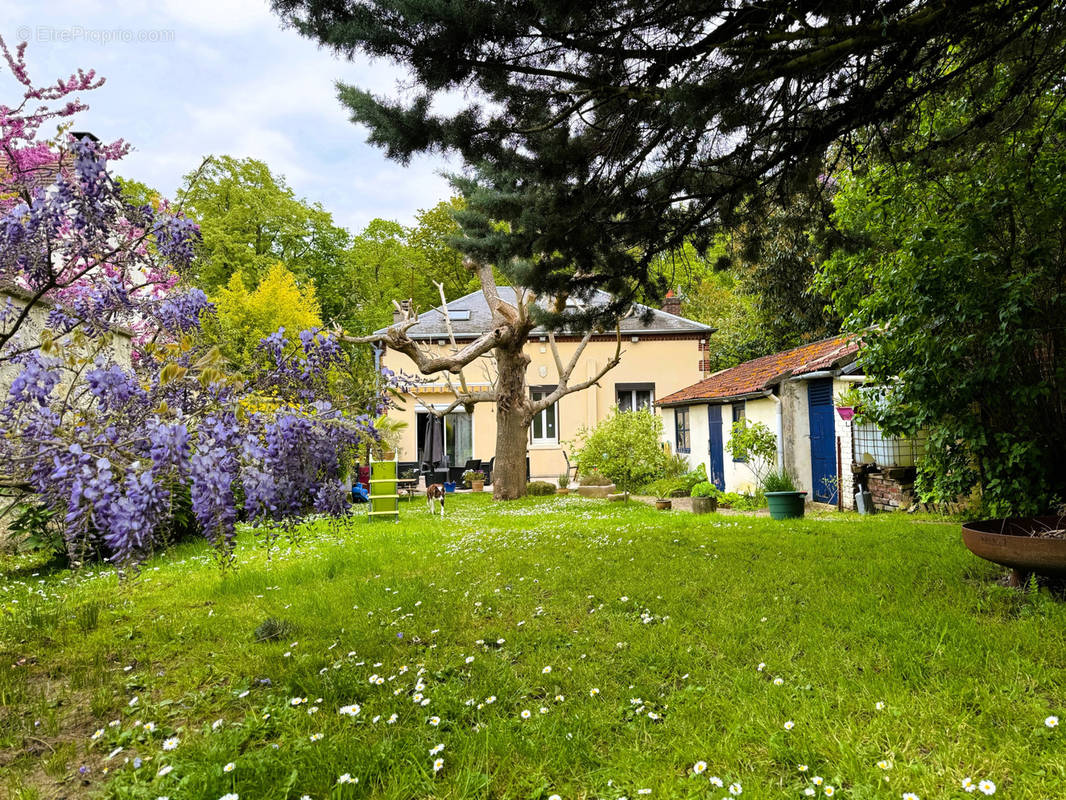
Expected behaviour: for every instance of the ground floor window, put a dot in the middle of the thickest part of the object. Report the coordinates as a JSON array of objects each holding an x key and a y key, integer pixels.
[
  {"x": 634, "y": 396},
  {"x": 544, "y": 428},
  {"x": 681, "y": 430},
  {"x": 458, "y": 436}
]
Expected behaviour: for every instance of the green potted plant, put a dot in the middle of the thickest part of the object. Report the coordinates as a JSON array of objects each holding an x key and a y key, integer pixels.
[
  {"x": 782, "y": 496},
  {"x": 704, "y": 498},
  {"x": 848, "y": 402},
  {"x": 564, "y": 483},
  {"x": 475, "y": 479}
]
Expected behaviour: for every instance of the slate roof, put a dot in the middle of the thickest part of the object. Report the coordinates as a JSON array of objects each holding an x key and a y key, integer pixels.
[
  {"x": 431, "y": 323},
  {"x": 757, "y": 377}
]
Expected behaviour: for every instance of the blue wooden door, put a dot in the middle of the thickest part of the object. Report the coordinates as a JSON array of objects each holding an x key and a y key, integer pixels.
[
  {"x": 823, "y": 440},
  {"x": 714, "y": 446}
]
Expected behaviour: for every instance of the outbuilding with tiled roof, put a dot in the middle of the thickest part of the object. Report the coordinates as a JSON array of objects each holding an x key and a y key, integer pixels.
[{"x": 791, "y": 392}]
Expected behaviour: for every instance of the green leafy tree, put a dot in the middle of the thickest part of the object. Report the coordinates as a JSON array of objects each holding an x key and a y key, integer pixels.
[
  {"x": 955, "y": 275},
  {"x": 251, "y": 219},
  {"x": 244, "y": 318},
  {"x": 626, "y": 448}
]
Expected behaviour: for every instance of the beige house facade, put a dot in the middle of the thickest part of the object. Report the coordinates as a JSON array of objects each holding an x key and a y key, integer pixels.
[{"x": 659, "y": 356}]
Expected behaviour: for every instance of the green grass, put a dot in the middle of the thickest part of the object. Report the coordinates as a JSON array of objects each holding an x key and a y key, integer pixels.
[{"x": 672, "y": 609}]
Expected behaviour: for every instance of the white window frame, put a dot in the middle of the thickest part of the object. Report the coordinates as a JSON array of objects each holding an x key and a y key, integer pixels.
[
  {"x": 631, "y": 389},
  {"x": 536, "y": 393}
]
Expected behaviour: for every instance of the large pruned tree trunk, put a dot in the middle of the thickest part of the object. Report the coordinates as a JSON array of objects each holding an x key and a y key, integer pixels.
[
  {"x": 513, "y": 415},
  {"x": 506, "y": 340}
]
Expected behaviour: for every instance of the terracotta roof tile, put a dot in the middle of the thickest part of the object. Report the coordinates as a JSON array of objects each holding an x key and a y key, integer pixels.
[{"x": 758, "y": 375}]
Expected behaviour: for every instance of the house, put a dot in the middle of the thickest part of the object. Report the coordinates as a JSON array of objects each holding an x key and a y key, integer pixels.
[
  {"x": 792, "y": 394},
  {"x": 659, "y": 357}
]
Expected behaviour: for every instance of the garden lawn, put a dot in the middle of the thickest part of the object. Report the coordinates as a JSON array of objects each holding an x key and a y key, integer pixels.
[{"x": 546, "y": 646}]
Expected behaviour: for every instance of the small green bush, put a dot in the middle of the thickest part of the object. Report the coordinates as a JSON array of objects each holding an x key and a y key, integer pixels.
[
  {"x": 779, "y": 481},
  {"x": 626, "y": 447},
  {"x": 539, "y": 488},
  {"x": 704, "y": 489},
  {"x": 743, "y": 502}
]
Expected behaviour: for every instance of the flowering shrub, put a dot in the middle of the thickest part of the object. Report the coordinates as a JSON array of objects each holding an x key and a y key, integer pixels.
[{"x": 114, "y": 448}]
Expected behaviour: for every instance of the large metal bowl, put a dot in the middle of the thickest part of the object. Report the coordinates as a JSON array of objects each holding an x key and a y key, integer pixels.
[{"x": 1011, "y": 542}]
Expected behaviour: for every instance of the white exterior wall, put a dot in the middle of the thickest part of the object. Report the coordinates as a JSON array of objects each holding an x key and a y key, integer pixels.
[{"x": 794, "y": 442}]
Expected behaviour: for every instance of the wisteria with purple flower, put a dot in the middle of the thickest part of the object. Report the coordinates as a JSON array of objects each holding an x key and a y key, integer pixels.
[{"x": 115, "y": 406}]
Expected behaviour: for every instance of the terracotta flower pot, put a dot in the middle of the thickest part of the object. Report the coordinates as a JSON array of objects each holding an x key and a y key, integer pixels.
[
  {"x": 562, "y": 490},
  {"x": 477, "y": 486},
  {"x": 663, "y": 505}
]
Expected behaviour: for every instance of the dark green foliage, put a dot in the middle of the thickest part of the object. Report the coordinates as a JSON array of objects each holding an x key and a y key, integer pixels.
[
  {"x": 272, "y": 629},
  {"x": 956, "y": 268},
  {"x": 539, "y": 488},
  {"x": 35, "y": 527},
  {"x": 607, "y": 132}
]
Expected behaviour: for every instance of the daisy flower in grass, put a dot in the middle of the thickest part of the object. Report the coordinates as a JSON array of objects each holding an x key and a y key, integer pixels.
[
  {"x": 802, "y": 767},
  {"x": 643, "y": 791},
  {"x": 469, "y": 659},
  {"x": 149, "y": 727},
  {"x": 986, "y": 787},
  {"x": 438, "y": 765},
  {"x": 543, "y": 709},
  {"x": 716, "y": 781},
  {"x": 347, "y": 778},
  {"x": 546, "y": 670},
  {"x": 886, "y": 765},
  {"x": 778, "y": 681},
  {"x": 229, "y": 767},
  {"x": 526, "y": 714},
  {"x": 817, "y": 780},
  {"x": 593, "y": 692},
  {"x": 99, "y": 732},
  {"x": 910, "y": 796},
  {"x": 699, "y": 767},
  {"x": 1052, "y": 721},
  {"x": 968, "y": 784},
  {"x": 163, "y": 771},
  {"x": 735, "y": 789},
  {"x": 554, "y": 797},
  {"x": 316, "y": 737},
  {"x": 434, "y": 721},
  {"x": 230, "y": 796},
  {"x": 879, "y": 705},
  {"x": 790, "y": 725},
  {"x": 171, "y": 743},
  {"x": 809, "y": 791},
  {"x": 297, "y": 701},
  {"x": 351, "y": 710},
  {"x": 434, "y": 750},
  {"x": 829, "y": 791}
]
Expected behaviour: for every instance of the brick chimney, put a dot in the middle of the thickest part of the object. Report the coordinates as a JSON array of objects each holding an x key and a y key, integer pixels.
[
  {"x": 398, "y": 314},
  {"x": 672, "y": 303}
]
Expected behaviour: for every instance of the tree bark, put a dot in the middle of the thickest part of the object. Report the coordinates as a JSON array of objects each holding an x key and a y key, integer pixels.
[{"x": 512, "y": 421}]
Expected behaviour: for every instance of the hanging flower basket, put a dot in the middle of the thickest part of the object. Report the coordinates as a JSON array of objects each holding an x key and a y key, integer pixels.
[{"x": 846, "y": 412}]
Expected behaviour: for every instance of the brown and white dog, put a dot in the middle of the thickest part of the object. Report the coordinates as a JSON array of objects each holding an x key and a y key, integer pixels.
[{"x": 435, "y": 492}]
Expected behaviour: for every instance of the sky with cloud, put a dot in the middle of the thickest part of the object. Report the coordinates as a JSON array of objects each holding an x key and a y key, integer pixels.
[{"x": 190, "y": 78}]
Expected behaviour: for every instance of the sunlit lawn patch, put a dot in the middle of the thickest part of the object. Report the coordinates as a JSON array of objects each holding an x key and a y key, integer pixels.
[{"x": 547, "y": 647}]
